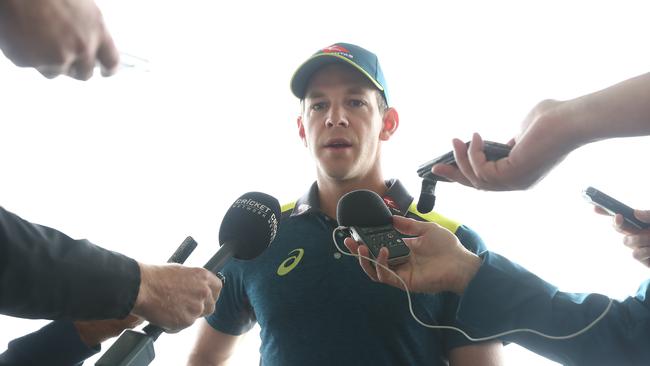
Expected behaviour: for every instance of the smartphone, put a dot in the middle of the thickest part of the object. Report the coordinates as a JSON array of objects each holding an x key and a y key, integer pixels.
[
  {"x": 614, "y": 206},
  {"x": 493, "y": 151}
]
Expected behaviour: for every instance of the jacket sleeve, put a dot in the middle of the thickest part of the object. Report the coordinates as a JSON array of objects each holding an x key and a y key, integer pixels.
[
  {"x": 56, "y": 344},
  {"x": 46, "y": 274},
  {"x": 504, "y": 296}
]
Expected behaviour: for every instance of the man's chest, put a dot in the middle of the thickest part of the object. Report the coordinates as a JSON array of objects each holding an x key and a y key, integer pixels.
[{"x": 303, "y": 276}]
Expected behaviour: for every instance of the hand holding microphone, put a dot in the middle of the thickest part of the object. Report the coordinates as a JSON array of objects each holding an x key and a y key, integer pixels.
[
  {"x": 173, "y": 296},
  {"x": 246, "y": 230}
]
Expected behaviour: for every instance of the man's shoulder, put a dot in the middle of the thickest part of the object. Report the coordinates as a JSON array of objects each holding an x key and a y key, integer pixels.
[
  {"x": 468, "y": 237},
  {"x": 433, "y": 216}
]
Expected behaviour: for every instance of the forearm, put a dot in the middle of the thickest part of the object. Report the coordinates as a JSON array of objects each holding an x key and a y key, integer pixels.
[
  {"x": 504, "y": 297},
  {"x": 621, "y": 110},
  {"x": 46, "y": 274}
]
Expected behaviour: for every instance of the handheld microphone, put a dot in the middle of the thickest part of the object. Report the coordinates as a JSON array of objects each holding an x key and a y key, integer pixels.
[
  {"x": 371, "y": 223},
  {"x": 493, "y": 151},
  {"x": 248, "y": 228}
]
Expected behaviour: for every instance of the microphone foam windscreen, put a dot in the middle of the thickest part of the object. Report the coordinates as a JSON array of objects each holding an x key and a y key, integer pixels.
[
  {"x": 363, "y": 208},
  {"x": 250, "y": 224},
  {"x": 427, "y": 196}
]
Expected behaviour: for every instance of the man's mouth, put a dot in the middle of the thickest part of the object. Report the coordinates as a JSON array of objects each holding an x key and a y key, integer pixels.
[{"x": 338, "y": 144}]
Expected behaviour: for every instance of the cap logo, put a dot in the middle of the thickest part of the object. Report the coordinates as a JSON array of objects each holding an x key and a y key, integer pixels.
[{"x": 338, "y": 50}]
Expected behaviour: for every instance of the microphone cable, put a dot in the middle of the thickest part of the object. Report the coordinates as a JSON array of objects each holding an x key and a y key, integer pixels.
[{"x": 480, "y": 339}]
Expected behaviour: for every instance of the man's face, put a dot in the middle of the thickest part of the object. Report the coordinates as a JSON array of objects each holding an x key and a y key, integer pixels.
[{"x": 341, "y": 123}]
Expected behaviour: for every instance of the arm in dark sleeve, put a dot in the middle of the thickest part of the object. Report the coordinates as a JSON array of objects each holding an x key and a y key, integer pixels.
[
  {"x": 451, "y": 338},
  {"x": 504, "y": 296},
  {"x": 56, "y": 344},
  {"x": 46, "y": 274}
]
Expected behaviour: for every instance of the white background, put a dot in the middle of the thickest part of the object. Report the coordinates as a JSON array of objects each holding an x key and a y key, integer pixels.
[{"x": 138, "y": 161}]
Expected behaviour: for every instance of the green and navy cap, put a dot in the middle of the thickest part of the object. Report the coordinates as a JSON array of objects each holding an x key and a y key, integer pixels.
[{"x": 361, "y": 59}]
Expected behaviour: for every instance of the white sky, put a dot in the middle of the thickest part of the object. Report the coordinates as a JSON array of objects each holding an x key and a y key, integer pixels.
[{"x": 138, "y": 161}]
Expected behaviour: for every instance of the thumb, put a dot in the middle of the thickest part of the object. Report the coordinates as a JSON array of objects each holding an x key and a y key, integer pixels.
[{"x": 409, "y": 226}]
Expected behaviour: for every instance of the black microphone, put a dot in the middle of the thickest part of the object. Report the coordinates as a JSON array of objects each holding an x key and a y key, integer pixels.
[
  {"x": 248, "y": 228},
  {"x": 427, "y": 195},
  {"x": 371, "y": 223},
  {"x": 493, "y": 151}
]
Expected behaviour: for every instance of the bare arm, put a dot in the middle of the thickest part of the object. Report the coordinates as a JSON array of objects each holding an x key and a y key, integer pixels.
[
  {"x": 212, "y": 348},
  {"x": 550, "y": 132},
  {"x": 483, "y": 354}
]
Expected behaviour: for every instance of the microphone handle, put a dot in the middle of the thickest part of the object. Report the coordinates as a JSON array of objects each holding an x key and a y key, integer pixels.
[
  {"x": 180, "y": 255},
  {"x": 427, "y": 195},
  {"x": 183, "y": 251},
  {"x": 216, "y": 263}
]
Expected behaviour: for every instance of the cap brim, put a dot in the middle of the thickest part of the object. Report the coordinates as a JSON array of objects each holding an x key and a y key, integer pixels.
[{"x": 301, "y": 77}]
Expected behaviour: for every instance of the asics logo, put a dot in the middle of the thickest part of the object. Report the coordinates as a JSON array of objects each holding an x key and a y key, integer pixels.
[{"x": 290, "y": 263}]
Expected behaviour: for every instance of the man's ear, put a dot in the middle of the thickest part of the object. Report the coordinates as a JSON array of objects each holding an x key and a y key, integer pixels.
[
  {"x": 390, "y": 124},
  {"x": 301, "y": 131}
]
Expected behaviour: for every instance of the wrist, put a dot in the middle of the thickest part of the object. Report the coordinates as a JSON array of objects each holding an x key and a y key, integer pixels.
[
  {"x": 565, "y": 122},
  {"x": 467, "y": 268},
  {"x": 92, "y": 333},
  {"x": 142, "y": 299}
]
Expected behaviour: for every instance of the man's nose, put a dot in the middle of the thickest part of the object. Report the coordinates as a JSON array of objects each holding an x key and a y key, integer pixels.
[{"x": 336, "y": 117}]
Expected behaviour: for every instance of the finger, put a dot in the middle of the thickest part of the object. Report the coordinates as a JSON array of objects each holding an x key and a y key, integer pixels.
[
  {"x": 108, "y": 55},
  {"x": 51, "y": 71},
  {"x": 637, "y": 241},
  {"x": 450, "y": 172},
  {"x": 462, "y": 161},
  {"x": 82, "y": 68},
  {"x": 512, "y": 142},
  {"x": 476, "y": 155},
  {"x": 641, "y": 254},
  {"x": 411, "y": 227},
  {"x": 366, "y": 265},
  {"x": 351, "y": 244},
  {"x": 622, "y": 227},
  {"x": 209, "y": 307},
  {"x": 215, "y": 284},
  {"x": 383, "y": 275},
  {"x": 601, "y": 211}
]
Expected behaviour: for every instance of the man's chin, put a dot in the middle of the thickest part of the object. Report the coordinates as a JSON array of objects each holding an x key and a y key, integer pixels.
[{"x": 335, "y": 173}]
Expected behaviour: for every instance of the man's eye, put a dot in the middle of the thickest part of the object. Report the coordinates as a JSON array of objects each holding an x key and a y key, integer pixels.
[
  {"x": 318, "y": 106},
  {"x": 357, "y": 103}
]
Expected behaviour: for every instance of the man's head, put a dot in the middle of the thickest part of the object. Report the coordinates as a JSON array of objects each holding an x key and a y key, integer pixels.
[
  {"x": 363, "y": 60},
  {"x": 345, "y": 114}
]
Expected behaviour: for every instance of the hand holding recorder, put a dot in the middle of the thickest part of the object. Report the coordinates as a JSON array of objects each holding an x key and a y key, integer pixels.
[{"x": 438, "y": 261}]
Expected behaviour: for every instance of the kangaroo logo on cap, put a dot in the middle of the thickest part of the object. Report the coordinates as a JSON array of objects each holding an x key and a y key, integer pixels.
[{"x": 337, "y": 49}]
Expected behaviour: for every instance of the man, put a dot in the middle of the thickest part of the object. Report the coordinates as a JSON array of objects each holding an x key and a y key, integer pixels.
[
  {"x": 313, "y": 305},
  {"x": 511, "y": 297},
  {"x": 57, "y": 37}
]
